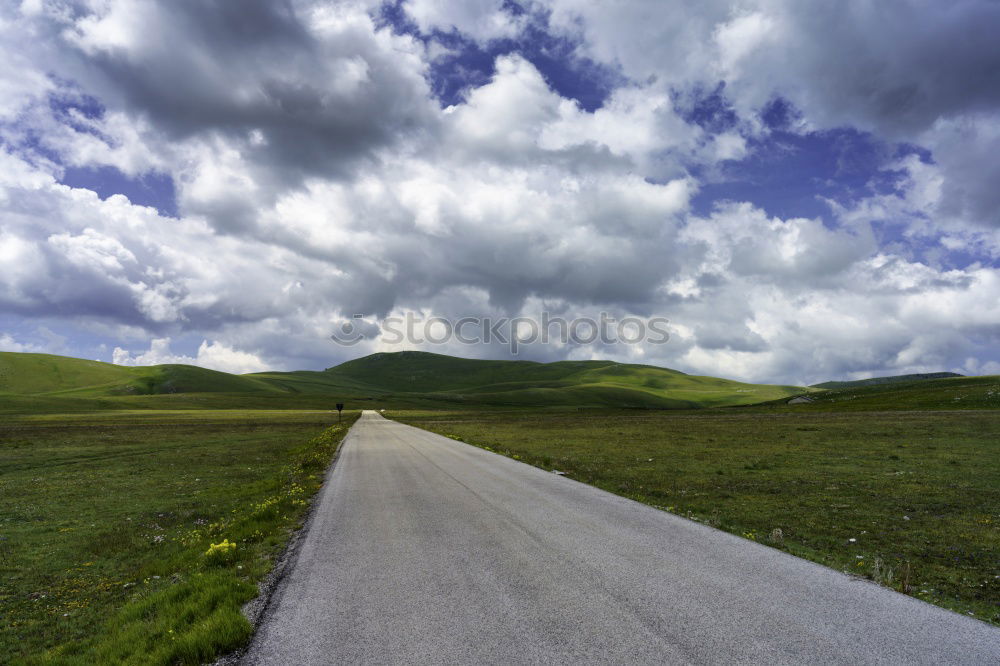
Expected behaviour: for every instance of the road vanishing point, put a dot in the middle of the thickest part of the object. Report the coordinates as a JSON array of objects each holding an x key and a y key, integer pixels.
[{"x": 424, "y": 550}]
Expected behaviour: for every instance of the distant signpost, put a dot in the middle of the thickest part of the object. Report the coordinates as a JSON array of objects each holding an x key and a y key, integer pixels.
[{"x": 340, "y": 408}]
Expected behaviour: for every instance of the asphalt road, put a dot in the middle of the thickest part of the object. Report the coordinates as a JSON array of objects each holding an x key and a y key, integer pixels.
[{"x": 424, "y": 550}]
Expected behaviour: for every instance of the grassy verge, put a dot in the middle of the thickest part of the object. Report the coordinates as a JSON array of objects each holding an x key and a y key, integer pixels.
[
  {"x": 910, "y": 500},
  {"x": 109, "y": 523}
]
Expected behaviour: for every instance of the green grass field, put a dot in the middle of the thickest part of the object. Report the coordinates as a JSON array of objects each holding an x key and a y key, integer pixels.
[
  {"x": 908, "y": 499},
  {"x": 108, "y": 519},
  {"x": 116, "y": 482}
]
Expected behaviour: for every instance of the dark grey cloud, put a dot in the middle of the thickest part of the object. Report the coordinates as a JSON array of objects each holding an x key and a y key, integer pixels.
[
  {"x": 896, "y": 66},
  {"x": 717, "y": 335},
  {"x": 279, "y": 92},
  {"x": 317, "y": 100}
]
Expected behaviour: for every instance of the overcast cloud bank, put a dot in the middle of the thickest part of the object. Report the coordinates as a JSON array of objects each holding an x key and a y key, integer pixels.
[{"x": 806, "y": 190}]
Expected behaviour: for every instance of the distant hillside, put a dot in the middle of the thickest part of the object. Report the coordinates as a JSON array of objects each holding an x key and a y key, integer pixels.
[
  {"x": 887, "y": 380},
  {"x": 401, "y": 378},
  {"x": 917, "y": 395},
  {"x": 45, "y": 383},
  {"x": 46, "y": 374},
  {"x": 29, "y": 374},
  {"x": 526, "y": 383}
]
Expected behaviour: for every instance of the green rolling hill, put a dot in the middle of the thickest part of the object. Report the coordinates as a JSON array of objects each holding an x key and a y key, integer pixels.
[
  {"x": 46, "y": 383},
  {"x": 41, "y": 382},
  {"x": 402, "y": 378},
  {"x": 48, "y": 375},
  {"x": 895, "y": 379},
  {"x": 33, "y": 374},
  {"x": 955, "y": 392},
  {"x": 525, "y": 383}
]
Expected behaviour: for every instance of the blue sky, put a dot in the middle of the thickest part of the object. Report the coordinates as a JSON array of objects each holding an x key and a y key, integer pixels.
[{"x": 775, "y": 178}]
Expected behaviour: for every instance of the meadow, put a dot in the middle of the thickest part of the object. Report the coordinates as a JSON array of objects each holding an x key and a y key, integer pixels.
[
  {"x": 908, "y": 499},
  {"x": 142, "y": 506},
  {"x": 136, "y": 537}
]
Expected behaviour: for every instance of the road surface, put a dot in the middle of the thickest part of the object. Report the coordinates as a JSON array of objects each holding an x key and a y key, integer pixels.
[{"x": 423, "y": 550}]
